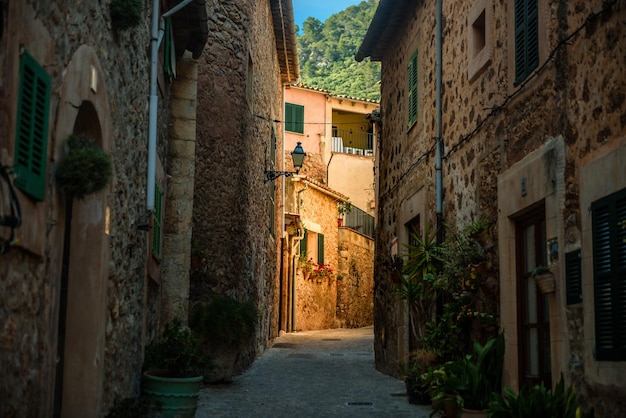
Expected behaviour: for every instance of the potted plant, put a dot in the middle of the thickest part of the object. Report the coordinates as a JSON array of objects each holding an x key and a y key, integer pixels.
[
  {"x": 479, "y": 230},
  {"x": 544, "y": 279},
  {"x": 442, "y": 390},
  {"x": 474, "y": 378},
  {"x": 84, "y": 169},
  {"x": 415, "y": 376},
  {"x": 173, "y": 368},
  {"x": 343, "y": 208},
  {"x": 224, "y": 326},
  {"x": 537, "y": 401}
]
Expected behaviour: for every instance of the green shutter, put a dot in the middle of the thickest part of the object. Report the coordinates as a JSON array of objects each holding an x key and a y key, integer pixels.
[
  {"x": 608, "y": 220},
  {"x": 412, "y": 90},
  {"x": 526, "y": 38},
  {"x": 303, "y": 250},
  {"x": 573, "y": 278},
  {"x": 320, "y": 249},
  {"x": 157, "y": 224},
  {"x": 169, "y": 59},
  {"x": 294, "y": 118},
  {"x": 31, "y": 136}
]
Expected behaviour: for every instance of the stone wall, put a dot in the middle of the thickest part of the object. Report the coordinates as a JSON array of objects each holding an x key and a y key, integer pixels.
[
  {"x": 355, "y": 302},
  {"x": 489, "y": 126},
  {"x": 239, "y": 92}
]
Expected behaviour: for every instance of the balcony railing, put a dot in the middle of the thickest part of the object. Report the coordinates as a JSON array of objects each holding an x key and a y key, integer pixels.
[
  {"x": 360, "y": 221},
  {"x": 350, "y": 142}
]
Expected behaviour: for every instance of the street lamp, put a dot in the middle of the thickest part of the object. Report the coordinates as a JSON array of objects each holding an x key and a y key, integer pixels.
[{"x": 297, "y": 155}]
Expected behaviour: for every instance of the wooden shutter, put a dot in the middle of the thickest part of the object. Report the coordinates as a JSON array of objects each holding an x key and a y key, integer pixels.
[
  {"x": 303, "y": 250},
  {"x": 320, "y": 249},
  {"x": 294, "y": 118},
  {"x": 573, "y": 278},
  {"x": 412, "y": 90},
  {"x": 526, "y": 38},
  {"x": 31, "y": 137},
  {"x": 609, "y": 273}
]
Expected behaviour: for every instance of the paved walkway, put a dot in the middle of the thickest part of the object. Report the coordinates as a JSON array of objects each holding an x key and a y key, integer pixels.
[{"x": 327, "y": 373}]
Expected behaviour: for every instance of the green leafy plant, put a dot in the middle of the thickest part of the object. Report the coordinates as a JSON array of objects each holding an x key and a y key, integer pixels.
[
  {"x": 85, "y": 168},
  {"x": 344, "y": 207},
  {"x": 414, "y": 372},
  {"x": 537, "y": 401},
  {"x": 476, "y": 377},
  {"x": 540, "y": 270},
  {"x": 176, "y": 353},
  {"x": 477, "y": 226},
  {"x": 224, "y": 321},
  {"x": 416, "y": 281},
  {"x": 126, "y": 13}
]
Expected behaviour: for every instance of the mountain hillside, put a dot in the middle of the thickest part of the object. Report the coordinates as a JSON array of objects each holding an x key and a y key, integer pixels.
[{"x": 326, "y": 53}]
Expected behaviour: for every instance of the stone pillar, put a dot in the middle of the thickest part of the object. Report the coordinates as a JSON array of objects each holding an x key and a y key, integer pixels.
[{"x": 179, "y": 195}]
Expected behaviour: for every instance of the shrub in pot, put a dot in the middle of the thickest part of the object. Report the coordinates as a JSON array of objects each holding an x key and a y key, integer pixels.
[
  {"x": 173, "y": 368},
  {"x": 414, "y": 372},
  {"x": 224, "y": 326}
]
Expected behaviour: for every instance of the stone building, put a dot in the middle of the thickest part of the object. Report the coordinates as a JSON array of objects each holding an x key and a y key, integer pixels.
[
  {"x": 85, "y": 283},
  {"x": 522, "y": 124},
  {"x": 81, "y": 279},
  {"x": 339, "y": 169},
  {"x": 238, "y": 225}
]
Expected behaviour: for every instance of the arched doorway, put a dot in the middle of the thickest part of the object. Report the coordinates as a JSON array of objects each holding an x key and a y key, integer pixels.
[{"x": 84, "y": 238}]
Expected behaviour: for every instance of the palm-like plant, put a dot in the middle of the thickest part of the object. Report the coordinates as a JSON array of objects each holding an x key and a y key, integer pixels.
[{"x": 418, "y": 275}]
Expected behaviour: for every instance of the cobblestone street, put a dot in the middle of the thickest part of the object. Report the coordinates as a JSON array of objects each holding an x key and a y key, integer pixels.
[{"x": 328, "y": 373}]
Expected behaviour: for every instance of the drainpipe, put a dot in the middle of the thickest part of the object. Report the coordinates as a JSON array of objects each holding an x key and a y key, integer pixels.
[
  {"x": 439, "y": 143},
  {"x": 155, "y": 40}
]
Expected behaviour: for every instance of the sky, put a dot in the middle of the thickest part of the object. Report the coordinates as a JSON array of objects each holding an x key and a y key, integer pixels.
[{"x": 319, "y": 9}]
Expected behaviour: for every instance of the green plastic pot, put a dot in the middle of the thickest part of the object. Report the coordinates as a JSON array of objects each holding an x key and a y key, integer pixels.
[{"x": 176, "y": 397}]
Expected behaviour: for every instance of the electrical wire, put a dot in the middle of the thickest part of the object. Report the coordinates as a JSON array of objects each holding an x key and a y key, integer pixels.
[
  {"x": 308, "y": 123},
  {"x": 496, "y": 109}
]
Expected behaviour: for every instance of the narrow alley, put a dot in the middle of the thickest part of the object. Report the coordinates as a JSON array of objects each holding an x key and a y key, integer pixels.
[{"x": 327, "y": 373}]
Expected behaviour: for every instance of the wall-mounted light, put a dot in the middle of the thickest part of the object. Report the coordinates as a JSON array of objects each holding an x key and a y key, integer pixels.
[{"x": 297, "y": 155}]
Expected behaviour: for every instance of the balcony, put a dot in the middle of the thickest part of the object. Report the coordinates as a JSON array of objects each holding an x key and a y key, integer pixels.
[
  {"x": 355, "y": 143},
  {"x": 360, "y": 221}
]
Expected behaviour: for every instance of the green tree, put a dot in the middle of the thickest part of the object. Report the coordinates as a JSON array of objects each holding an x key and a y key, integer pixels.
[{"x": 326, "y": 53}]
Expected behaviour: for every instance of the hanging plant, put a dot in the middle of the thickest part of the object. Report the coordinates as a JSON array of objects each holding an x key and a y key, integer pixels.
[
  {"x": 85, "y": 169},
  {"x": 126, "y": 13}
]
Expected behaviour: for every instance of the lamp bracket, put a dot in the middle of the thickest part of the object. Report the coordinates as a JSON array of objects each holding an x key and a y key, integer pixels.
[{"x": 273, "y": 175}]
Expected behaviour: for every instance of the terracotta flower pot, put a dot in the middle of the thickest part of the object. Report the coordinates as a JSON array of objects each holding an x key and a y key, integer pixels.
[{"x": 545, "y": 282}]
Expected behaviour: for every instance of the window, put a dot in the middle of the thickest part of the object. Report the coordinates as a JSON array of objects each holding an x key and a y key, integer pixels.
[
  {"x": 479, "y": 51},
  {"x": 312, "y": 247},
  {"x": 573, "y": 278},
  {"x": 608, "y": 222},
  {"x": 412, "y": 93},
  {"x": 31, "y": 137},
  {"x": 157, "y": 224},
  {"x": 294, "y": 118},
  {"x": 320, "y": 249},
  {"x": 526, "y": 38}
]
